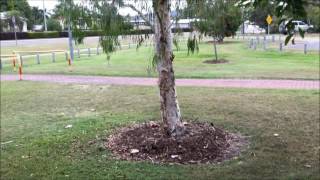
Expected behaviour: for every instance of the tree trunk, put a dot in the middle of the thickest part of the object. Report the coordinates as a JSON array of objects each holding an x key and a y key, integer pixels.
[
  {"x": 170, "y": 110},
  {"x": 215, "y": 48}
]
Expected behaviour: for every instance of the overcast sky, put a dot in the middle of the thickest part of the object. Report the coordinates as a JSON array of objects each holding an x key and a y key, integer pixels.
[{"x": 50, "y": 5}]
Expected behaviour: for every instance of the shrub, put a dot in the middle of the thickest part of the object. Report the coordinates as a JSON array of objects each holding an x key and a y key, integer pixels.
[{"x": 36, "y": 35}]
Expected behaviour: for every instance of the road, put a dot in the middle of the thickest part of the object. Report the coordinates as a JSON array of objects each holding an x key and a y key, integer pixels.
[
  {"x": 312, "y": 41},
  {"x": 45, "y": 42}
]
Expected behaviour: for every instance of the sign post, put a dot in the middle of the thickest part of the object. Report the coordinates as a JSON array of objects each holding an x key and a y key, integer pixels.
[{"x": 269, "y": 21}]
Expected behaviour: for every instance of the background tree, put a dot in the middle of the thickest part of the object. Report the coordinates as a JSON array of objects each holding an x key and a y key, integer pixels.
[
  {"x": 259, "y": 14},
  {"x": 20, "y": 7},
  {"x": 53, "y": 25},
  {"x": 219, "y": 19},
  {"x": 17, "y": 16},
  {"x": 37, "y": 16},
  {"x": 313, "y": 17}
]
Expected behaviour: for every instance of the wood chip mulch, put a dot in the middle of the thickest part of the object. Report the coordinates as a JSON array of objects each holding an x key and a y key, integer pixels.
[
  {"x": 219, "y": 61},
  {"x": 202, "y": 143}
]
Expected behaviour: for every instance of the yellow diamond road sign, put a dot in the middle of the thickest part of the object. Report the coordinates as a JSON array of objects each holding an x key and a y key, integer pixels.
[{"x": 269, "y": 19}]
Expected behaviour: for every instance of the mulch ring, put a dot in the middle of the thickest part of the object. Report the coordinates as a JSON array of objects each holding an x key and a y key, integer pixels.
[
  {"x": 223, "y": 42},
  {"x": 219, "y": 61},
  {"x": 203, "y": 143}
]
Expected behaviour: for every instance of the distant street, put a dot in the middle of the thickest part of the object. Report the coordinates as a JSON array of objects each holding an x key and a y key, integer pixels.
[
  {"x": 45, "y": 42},
  {"x": 313, "y": 43}
]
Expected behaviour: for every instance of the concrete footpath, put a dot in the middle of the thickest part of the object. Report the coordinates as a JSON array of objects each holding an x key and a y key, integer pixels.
[{"x": 228, "y": 83}]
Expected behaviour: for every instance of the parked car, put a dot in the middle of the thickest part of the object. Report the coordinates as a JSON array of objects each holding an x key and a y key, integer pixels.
[{"x": 297, "y": 25}]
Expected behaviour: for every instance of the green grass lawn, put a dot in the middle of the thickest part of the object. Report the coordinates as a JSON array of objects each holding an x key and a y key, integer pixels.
[
  {"x": 243, "y": 63},
  {"x": 33, "y": 116}
]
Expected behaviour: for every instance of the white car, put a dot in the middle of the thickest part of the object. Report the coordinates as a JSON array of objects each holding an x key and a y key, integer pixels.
[
  {"x": 37, "y": 28},
  {"x": 297, "y": 25},
  {"x": 301, "y": 25}
]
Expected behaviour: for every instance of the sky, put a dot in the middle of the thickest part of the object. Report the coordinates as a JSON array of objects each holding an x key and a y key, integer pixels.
[{"x": 50, "y": 5}]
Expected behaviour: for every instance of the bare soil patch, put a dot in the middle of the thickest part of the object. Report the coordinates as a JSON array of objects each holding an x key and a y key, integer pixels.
[
  {"x": 202, "y": 143},
  {"x": 223, "y": 42},
  {"x": 219, "y": 61}
]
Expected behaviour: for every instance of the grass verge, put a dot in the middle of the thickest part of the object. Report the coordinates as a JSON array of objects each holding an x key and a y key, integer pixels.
[
  {"x": 242, "y": 63},
  {"x": 34, "y": 116}
]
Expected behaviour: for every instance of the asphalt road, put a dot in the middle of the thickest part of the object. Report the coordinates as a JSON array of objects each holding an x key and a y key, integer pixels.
[
  {"x": 51, "y": 41},
  {"x": 312, "y": 44}
]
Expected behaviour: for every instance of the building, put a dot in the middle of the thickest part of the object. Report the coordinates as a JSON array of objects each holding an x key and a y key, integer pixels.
[
  {"x": 139, "y": 23},
  {"x": 250, "y": 28},
  {"x": 6, "y": 20}
]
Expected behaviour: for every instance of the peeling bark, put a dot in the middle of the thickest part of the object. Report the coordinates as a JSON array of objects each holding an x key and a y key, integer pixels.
[{"x": 169, "y": 106}]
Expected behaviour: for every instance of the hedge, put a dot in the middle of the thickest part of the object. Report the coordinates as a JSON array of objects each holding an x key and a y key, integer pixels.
[
  {"x": 36, "y": 35},
  {"x": 56, "y": 34}
]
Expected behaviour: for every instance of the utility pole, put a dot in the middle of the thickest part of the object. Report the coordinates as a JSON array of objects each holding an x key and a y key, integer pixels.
[{"x": 44, "y": 16}]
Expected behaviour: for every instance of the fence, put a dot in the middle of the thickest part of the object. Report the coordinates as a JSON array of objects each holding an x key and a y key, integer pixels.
[
  {"x": 38, "y": 56},
  {"x": 266, "y": 42},
  {"x": 21, "y": 56},
  {"x": 254, "y": 42}
]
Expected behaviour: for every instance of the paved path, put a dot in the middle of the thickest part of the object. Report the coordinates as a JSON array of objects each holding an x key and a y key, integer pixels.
[{"x": 239, "y": 83}]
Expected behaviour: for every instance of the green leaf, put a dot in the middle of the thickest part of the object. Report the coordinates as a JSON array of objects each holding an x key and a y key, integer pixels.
[
  {"x": 301, "y": 32},
  {"x": 288, "y": 39}
]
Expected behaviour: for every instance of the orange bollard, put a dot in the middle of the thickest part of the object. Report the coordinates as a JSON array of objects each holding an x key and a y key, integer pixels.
[{"x": 20, "y": 73}]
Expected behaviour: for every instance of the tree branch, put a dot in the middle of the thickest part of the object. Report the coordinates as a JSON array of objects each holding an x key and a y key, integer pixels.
[{"x": 140, "y": 14}]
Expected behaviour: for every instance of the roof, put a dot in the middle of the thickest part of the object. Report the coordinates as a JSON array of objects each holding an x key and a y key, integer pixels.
[{"x": 3, "y": 16}]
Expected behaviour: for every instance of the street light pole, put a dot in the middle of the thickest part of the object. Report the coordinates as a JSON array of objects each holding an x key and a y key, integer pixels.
[{"x": 44, "y": 16}]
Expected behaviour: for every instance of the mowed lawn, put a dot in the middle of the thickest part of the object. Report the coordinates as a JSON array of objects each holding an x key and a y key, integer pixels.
[
  {"x": 243, "y": 63},
  {"x": 36, "y": 144}
]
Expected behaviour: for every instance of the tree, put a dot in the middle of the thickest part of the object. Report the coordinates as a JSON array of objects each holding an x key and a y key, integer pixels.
[
  {"x": 170, "y": 110},
  {"x": 16, "y": 15},
  {"x": 106, "y": 15},
  {"x": 259, "y": 14},
  {"x": 36, "y": 16},
  {"x": 219, "y": 19},
  {"x": 314, "y": 17},
  {"x": 20, "y": 6},
  {"x": 54, "y": 25},
  {"x": 161, "y": 26}
]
